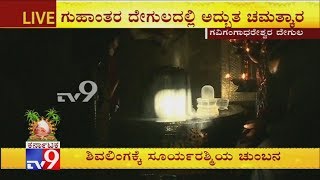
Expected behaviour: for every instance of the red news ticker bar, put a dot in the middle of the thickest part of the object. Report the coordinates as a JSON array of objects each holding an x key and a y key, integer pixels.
[
  {"x": 28, "y": 13},
  {"x": 262, "y": 33}
]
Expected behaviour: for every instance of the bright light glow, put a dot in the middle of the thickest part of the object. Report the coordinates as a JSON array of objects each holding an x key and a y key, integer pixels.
[
  {"x": 228, "y": 76},
  {"x": 243, "y": 76},
  {"x": 173, "y": 105}
]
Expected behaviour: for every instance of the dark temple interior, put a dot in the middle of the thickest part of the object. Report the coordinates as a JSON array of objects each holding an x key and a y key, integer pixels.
[{"x": 132, "y": 66}]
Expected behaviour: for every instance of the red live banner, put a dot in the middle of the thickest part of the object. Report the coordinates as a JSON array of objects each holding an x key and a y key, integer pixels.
[{"x": 27, "y": 13}]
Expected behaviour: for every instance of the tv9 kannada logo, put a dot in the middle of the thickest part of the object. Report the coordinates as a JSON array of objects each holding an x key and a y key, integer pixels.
[
  {"x": 42, "y": 147},
  {"x": 43, "y": 159}
]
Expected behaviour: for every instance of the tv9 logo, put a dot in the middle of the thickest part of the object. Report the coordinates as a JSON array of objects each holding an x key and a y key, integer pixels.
[
  {"x": 43, "y": 159},
  {"x": 74, "y": 98}
]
